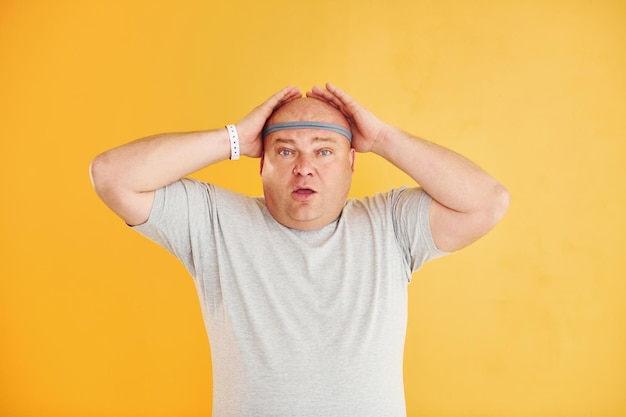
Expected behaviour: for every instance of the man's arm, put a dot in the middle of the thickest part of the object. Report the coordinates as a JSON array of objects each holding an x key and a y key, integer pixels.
[
  {"x": 126, "y": 177},
  {"x": 467, "y": 202}
]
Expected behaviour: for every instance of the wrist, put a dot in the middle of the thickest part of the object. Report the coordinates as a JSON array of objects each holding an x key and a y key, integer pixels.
[
  {"x": 385, "y": 140},
  {"x": 250, "y": 144},
  {"x": 233, "y": 139}
]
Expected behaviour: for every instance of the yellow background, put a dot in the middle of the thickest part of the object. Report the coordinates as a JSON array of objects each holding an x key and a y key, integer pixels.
[{"x": 530, "y": 321}]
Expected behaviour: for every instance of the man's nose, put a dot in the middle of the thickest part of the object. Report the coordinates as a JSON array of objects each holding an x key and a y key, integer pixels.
[{"x": 303, "y": 166}]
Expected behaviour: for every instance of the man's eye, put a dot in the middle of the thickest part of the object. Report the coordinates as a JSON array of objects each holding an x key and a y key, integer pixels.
[
  {"x": 325, "y": 152},
  {"x": 285, "y": 152}
]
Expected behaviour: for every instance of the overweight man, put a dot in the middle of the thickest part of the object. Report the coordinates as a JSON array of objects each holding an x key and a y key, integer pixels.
[{"x": 303, "y": 291}]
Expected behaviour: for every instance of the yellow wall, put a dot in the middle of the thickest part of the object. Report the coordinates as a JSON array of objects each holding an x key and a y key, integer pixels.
[{"x": 530, "y": 321}]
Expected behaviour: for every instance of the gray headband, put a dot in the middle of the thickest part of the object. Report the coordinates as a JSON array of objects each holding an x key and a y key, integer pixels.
[{"x": 307, "y": 125}]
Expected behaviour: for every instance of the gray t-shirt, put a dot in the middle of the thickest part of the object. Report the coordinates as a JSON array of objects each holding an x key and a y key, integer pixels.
[{"x": 301, "y": 323}]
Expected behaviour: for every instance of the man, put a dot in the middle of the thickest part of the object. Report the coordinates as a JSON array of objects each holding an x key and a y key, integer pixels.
[{"x": 304, "y": 294}]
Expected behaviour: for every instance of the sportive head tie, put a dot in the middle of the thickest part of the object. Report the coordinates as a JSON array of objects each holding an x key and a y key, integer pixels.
[{"x": 307, "y": 125}]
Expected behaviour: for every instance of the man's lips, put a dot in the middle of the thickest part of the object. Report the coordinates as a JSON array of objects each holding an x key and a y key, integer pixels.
[{"x": 303, "y": 194}]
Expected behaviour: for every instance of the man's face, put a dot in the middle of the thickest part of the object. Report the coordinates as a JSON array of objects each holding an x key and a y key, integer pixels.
[{"x": 306, "y": 173}]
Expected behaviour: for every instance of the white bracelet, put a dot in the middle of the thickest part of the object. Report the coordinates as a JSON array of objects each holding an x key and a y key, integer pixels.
[{"x": 234, "y": 142}]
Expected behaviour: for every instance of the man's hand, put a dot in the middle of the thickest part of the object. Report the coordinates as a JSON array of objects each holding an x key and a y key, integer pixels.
[
  {"x": 367, "y": 129},
  {"x": 249, "y": 128}
]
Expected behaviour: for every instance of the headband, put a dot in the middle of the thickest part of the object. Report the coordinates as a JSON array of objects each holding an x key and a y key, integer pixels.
[{"x": 307, "y": 125}]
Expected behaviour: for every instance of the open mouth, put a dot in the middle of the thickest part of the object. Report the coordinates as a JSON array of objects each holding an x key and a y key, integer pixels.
[{"x": 303, "y": 193}]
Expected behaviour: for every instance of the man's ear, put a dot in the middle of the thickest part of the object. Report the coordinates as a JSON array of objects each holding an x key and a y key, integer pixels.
[{"x": 352, "y": 158}]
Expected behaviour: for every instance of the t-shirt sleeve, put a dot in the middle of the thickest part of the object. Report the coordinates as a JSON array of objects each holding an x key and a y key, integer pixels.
[
  {"x": 174, "y": 209},
  {"x": 410, "y": 213}
]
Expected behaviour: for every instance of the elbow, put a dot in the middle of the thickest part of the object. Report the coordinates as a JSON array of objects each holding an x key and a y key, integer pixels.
[
  {"x": 500, "y": 201},
  {"x": 104, "y": 176},
  {"x": 98, "y": 172},
  {"x": 108, "y": 180}
]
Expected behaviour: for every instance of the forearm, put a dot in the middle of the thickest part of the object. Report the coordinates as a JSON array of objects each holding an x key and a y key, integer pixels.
[
  {"x": 155, "y": 161},
  {"x": 449, "y": 178}
]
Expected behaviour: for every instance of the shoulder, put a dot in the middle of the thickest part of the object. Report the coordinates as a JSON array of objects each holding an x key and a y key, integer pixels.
[
  {"x": 193, "y": 189},
  {"x": 195, "y": 199},
  {"x": 390, "y": 200}
]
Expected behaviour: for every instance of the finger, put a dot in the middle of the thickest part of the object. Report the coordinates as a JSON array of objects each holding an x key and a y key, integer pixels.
[
  {"x": 322, "y": 94},
  {"x": 341, "y": 95},
  {"x": 345, "y": 103},
  {"x": 317, "y": 92},
  {"x": 258, "y": 116},
  {"x": 265, "y": 109},
  {"x": 286, "y": 94}
]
